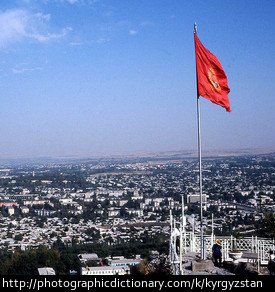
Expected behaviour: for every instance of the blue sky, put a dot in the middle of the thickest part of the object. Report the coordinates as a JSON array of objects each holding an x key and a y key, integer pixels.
[{"x": 104, "y": 77}]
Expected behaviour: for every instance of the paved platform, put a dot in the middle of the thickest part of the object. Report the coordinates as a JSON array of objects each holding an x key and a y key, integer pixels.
[{"x": 202, "y": 266}]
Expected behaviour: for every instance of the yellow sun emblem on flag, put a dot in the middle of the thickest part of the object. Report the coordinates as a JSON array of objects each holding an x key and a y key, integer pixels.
[{"x": 213, "y": 80}]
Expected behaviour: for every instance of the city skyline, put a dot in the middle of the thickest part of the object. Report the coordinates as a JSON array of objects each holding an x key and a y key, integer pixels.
[{"x": 100, "y": 77}]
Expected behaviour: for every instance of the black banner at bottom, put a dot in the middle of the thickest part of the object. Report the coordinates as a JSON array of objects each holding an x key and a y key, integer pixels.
[{"x": 154, "y": 283}]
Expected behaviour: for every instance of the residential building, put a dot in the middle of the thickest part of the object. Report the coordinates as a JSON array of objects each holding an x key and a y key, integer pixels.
[{"x": 106, "y": 270}]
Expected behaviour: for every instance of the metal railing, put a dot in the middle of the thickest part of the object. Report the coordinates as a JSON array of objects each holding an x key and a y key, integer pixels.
[
  {"x": 253, "y": 244},
  {"x": 181, "y": 243}
]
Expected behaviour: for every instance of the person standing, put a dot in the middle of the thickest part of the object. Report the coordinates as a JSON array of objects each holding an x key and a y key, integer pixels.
[
  {"x": 216, "y": 253},
  {"x": 271, "y": 263}
]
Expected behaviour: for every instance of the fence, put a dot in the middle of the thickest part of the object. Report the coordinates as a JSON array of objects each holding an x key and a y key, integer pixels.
[
  {"x": 256, "y": 248},
  {"x": 253, "y": 244}
]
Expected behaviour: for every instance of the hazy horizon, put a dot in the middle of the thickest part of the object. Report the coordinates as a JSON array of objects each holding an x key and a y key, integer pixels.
[
  {"x": 95, "y": 78},
  {"x": 181, "y": 154}
]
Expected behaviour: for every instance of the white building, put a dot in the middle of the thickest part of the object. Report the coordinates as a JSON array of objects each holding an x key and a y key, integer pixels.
[
  {"x": 46, "y": 271},
  {"x": 10, "y": 210},
  {"x": 196, "y": 198},
  {"x": 116, "y": 194},
  {"x": 25, "y": 210},
  {"x": 136, "y": 212},
  {"x": 113, "y": 212},
  {"x": 123, "y": 262},
  {"x": 106, "y": 270},
  {"x": 88, "y": 257}
]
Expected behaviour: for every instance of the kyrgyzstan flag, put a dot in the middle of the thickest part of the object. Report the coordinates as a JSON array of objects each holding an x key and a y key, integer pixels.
[{"x": 211, "y": 79}]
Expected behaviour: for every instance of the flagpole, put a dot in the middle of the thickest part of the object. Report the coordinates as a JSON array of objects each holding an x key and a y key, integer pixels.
[{"x": 199, "y": 153}]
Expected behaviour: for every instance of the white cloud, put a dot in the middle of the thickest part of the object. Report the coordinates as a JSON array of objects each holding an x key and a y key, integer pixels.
[
  {"x": 76, "y": 44},
  {"x": 49, "y": 36},
  {"x": 146, "y": 23},
  {"x": 101, "y": 40},
  {"x": 23, "y": 70},
  {"x": 89, "y": 2},
  {"x": 133, "y": 32},
  {"x": 12, "y": 26},
  {"x": 49, "y": 1},
  {"x": 17, "y": 25}
]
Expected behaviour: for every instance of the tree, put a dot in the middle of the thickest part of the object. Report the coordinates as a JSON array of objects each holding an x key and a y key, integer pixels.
[{"x": 268, "y": 225}]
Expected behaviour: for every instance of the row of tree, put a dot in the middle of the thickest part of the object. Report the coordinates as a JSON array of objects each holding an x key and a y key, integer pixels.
[{"x": 63, "y": 258}]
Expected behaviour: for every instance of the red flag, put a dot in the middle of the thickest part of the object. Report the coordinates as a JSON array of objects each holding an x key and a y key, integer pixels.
[{"x": 212, "y": 81}]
